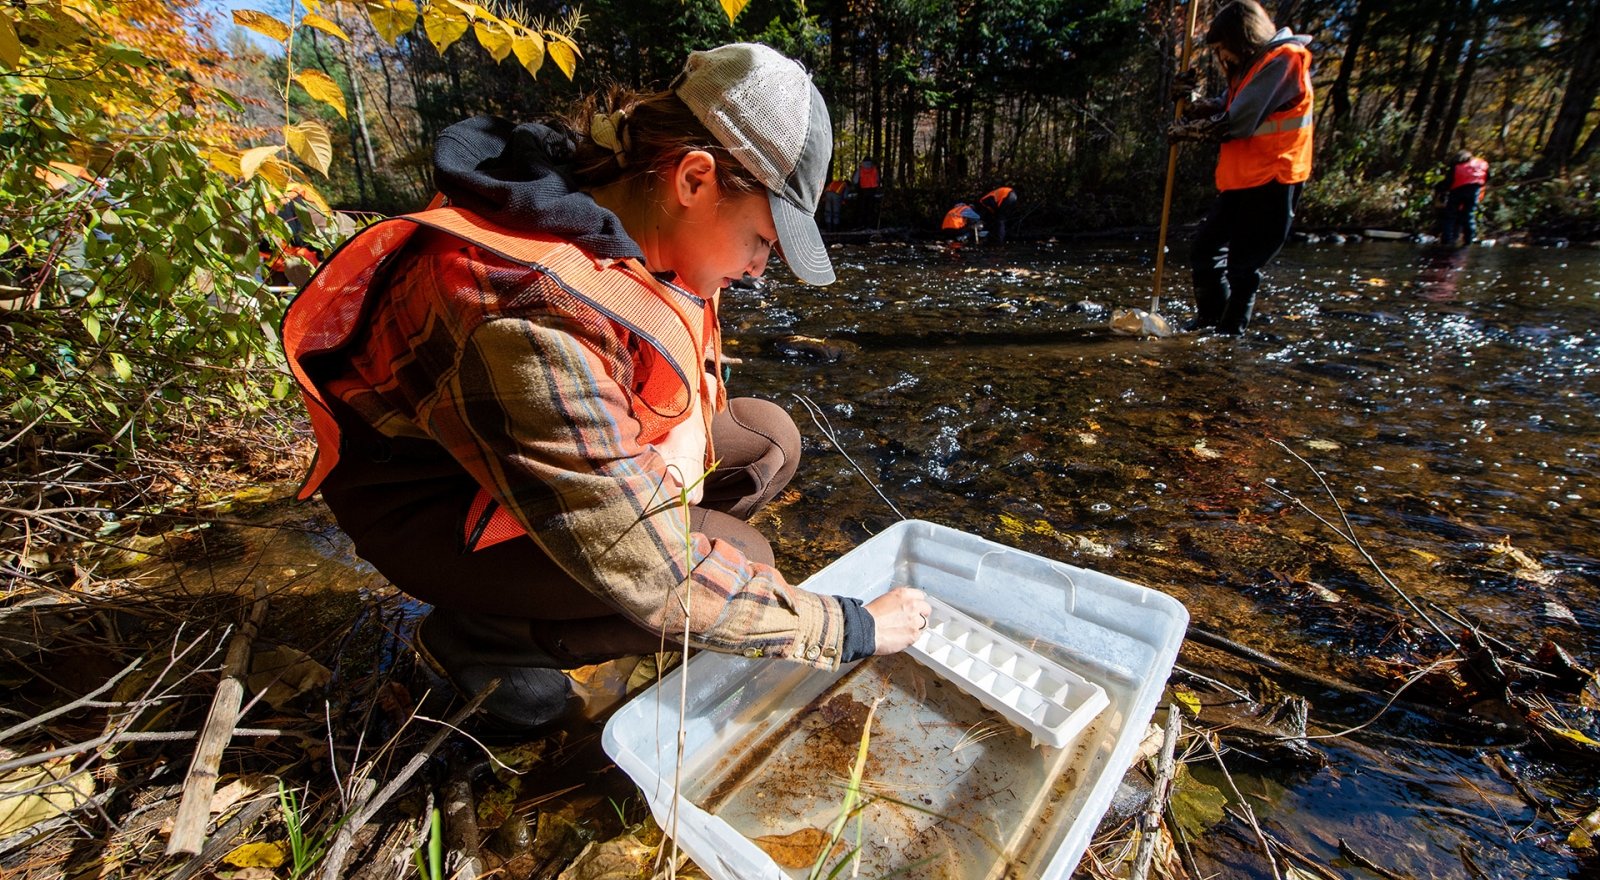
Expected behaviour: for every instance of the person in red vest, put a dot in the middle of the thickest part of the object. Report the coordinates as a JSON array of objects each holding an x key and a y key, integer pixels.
[
  {"x": 518, "y": 401},
  {"x": 1263, "y": 123},
  {"x": 997, "y": 205},
  {"x": 1465, "y": 178},
  {"x": 868, "y": 184}
]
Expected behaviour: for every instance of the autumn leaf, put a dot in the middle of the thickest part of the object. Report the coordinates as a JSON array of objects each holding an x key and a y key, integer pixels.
[
  {"x": 276, "y": 171},
  {"x": 1189, "y": 699},
  {"x": 10, "y": 46},
  {"x": 621, "y": 858},
  {"x": 733, "y": 8},
  {"x": 322, "y": 87},
  {"x": 797, "y": 850},
  {"x": 493, "y": 37},
  {"x": 444, "y": 24},
  {"x": 310, "y": 141},
  {"x": 314, "y": 20},
  {"x": 250, "y": 160},
  {"x": 261, "y": 23},
  {"x": 529, "y": 49},
  {"x": 32, "y": 794},
  {"x": 256, "y": 855},
  {"x": 563, "y": 52},
  {"x": 391, "y": 18}
]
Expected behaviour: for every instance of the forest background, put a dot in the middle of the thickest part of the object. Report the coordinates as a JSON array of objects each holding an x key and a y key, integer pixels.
[{"x": 146, "y": 161}]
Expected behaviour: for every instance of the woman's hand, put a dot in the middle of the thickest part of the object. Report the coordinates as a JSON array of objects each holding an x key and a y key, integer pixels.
[{"x": 899, "y": 616}]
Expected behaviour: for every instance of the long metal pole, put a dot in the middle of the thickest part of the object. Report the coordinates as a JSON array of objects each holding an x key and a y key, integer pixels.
[{"x": 1172, "y": 165}]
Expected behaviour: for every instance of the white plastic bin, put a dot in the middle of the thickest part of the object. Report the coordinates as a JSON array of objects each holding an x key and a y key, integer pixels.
[{"x": 959, "y": 791}]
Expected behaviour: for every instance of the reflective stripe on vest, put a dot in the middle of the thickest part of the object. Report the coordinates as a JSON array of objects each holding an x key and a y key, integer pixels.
[
  {"x": 675, "y": 324},
  {"x": 1280, "y": 147}
]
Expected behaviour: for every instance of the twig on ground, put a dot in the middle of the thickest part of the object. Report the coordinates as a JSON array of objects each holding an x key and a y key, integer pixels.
[
  {"x": 1150, "y": 822},
  {"x": 461, "y": 823},
  {"x": 339, "y": 850},
  {"x": 194, "y": 808}
]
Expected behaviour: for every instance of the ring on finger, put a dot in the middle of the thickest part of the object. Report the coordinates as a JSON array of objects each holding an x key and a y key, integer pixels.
[{"x": 924, "y": 622}]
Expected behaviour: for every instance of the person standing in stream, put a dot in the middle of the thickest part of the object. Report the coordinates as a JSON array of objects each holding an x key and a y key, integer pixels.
[
  {"x": 1263, "y": 123},
  {"x": 517, "y": 398}
]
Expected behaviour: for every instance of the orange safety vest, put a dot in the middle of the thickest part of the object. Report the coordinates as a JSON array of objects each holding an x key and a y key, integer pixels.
[
  {"x": 867, "y": 177},
  {"x": 1472, "y": 171},
  {"x": 836, "y": 186},
  {"x": 680, "y": 329},
  {"x": 996, "y": 196},
  {"x": 956, "y": 218},
  {"x": 1280, "y": 147}
]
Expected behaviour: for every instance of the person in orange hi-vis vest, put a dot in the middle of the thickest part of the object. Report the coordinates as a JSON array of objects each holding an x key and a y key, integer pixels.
[
  {"x": 833, "y": 196},
  {"x": 518, "y": 401},
  {"x": 997, "y": 205},
  {"x": 962, "y": 221},
  {"x": 1263, "y": 123},
  {"x": 1465, "y": 179},
  {"x": 868, "y": 184}
]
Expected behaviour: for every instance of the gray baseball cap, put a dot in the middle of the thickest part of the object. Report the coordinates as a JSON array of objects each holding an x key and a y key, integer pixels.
[{"x": 764, "y": 108}]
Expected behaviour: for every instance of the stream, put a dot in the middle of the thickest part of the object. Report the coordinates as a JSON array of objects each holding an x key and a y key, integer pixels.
[{"x": 1451, "y": 401}]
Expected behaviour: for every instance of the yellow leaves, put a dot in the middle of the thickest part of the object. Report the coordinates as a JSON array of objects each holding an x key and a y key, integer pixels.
[
  {"x": 494, "y": 37},
  {"x": 314, "y": 20},
  {"x": 563, "y": 52},
  {"x": 250, "y": 160},
  {"x": 391, "y": 18},
  {"x": 444, "y": 23},
  {"x": 310, "y": 141},
  {"x": 322, "y": 87},
  {"x": 261, "y": 23},
  {"x": 10, "y": 46},
  {"x": 256, "y": 855},
  {"x": 1584, "y": 833},
  {"x": 529, "y": 48},
  {"x": 733, "y": 8},
  {"x": 1188, "y": 699},
  {"x": 31, "y": 795}
]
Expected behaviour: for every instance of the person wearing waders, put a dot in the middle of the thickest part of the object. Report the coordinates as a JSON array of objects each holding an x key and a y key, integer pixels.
[
  {"x": 1263, "y": 123},
  {"x": 1465, "y": 178},
  {"x": 518, "y": 400}
]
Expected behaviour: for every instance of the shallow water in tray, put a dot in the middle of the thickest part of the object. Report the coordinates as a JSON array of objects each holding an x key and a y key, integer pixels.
[{"x": 953, "y": 789}]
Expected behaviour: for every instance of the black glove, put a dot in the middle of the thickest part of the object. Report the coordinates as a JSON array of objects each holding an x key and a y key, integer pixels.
[
  {"x": 1207, "y": 130},
  {"x": 1185, "y": 86},
  {"x": 1202, "y": 107}
]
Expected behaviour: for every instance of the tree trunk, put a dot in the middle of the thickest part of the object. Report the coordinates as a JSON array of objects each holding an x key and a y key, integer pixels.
[
  {"x": 1419, "y": 104},
  {"x": 1577, "y": 99},
  {"x": 1443, "y": 83},
  {"x": 1452, "y": 117},
  {"x": 1340, "y": 94}
]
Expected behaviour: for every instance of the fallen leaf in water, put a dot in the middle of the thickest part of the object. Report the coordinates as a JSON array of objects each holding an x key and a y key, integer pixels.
[
  {"x": 1199, "y": 450},
  {"x": 1323, "y": 445},
  {"x": 1377, "y": 282},
  {"x": 797, "y": 850},
  {"x": 1196, "y": 805},
  {"x": 284, "y": 673},
  {"x": 620, "y": 858},
  {"x": 1582, "y": 836},
  {"x": 1558, "y": 611},
  {"x": 1189, "y": 699}
]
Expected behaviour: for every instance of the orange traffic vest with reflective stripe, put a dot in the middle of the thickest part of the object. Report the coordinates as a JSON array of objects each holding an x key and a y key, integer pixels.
[
  {"x": 1280, "y": 147},
  {"x": 680, "y": 329},
  {"x": 1474, "y": 170},
  {"x": 956, "y": 218},
  {"x": 837, "y": 186}
]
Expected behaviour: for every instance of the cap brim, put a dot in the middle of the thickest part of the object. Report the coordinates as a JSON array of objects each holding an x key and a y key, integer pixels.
[{"x": 803, "y": 250}]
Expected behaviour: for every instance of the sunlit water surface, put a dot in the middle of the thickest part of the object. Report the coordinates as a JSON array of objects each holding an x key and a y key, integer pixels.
[{"x": 1449, "y": 399}]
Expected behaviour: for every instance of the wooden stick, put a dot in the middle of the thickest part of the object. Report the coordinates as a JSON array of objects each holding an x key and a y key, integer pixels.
[
  {"x": 1172, "y": 166},
  {"x": 461, "y": 823},
  {"x": 333, "y": 864},
  {"x": 1150, "y": 822},
  {"x": 194, "y": 809}
]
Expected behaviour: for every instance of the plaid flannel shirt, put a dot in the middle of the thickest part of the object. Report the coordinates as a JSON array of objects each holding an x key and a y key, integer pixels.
[{"x": 528, "y": 389}]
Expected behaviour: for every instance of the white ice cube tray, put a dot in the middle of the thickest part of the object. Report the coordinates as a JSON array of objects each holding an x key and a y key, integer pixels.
[{"x": 1049, "y": 701}]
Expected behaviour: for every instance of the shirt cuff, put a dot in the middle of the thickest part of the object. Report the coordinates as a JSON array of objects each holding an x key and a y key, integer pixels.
[{"x": 860, "y": 631}]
